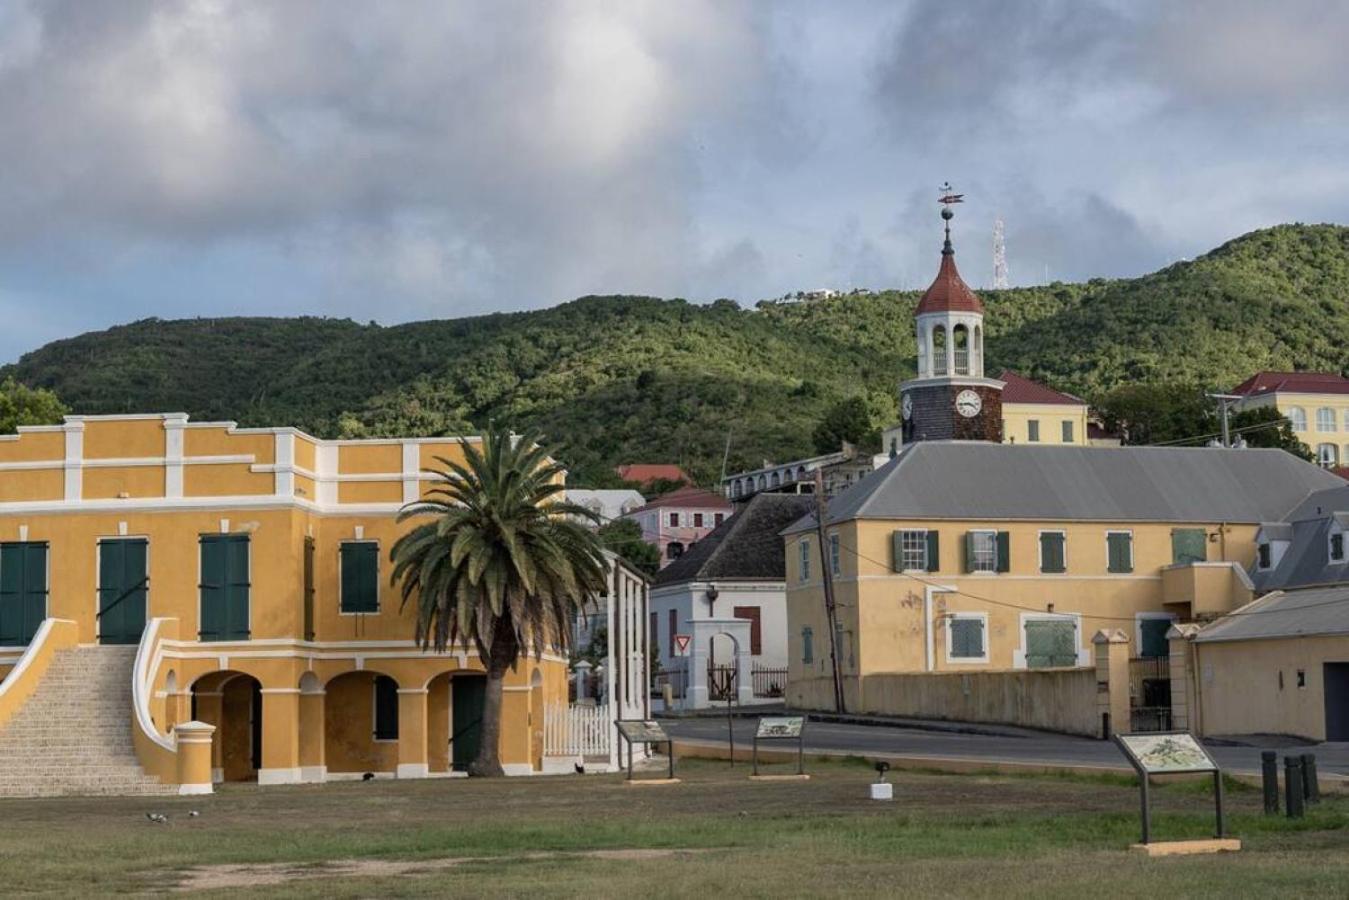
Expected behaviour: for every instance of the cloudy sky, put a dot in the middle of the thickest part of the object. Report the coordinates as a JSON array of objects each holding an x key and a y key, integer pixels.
[{"x": 408, "y": 160}]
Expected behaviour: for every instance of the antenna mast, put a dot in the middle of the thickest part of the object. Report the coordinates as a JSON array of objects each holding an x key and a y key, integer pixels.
[{"x": 999, "y": 258}]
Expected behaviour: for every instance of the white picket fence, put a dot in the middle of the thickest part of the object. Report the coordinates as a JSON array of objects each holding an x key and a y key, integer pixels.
[{"x": 576, "y": 730}]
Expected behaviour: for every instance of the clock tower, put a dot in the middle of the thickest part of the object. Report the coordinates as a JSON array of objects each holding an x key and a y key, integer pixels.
[{"x": 950, "y": 399}]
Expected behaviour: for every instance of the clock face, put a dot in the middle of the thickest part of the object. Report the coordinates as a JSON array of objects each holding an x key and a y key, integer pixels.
[
  {"x": 968, "y": 404},
  {"x": 907, "y": 407}
]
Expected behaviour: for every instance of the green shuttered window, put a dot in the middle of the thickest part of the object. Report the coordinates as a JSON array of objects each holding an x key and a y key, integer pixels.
[
  {"x": 914, "y": 550},
  {"x": 1050, "y": 644},
  {"x": 1052, "y": 558},
  {"x": 360, "y": 577},
  {"x": 807, "y": 645},
  {"x": 967, "y": 638},
  {"x": 224, "y": 587},
  {"x": 122, "y": 582},
  {"x": 1120, "y": 551},
  {"x": 23, "y": 591},
  {"x": 1188, "y": 545},
  {"x": 988, "y": 551}
]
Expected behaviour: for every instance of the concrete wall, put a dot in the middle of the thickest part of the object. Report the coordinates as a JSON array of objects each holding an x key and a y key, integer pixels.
[
  {"x": 1058, "y": 700},
  {"x": 1240, "y": 692}
]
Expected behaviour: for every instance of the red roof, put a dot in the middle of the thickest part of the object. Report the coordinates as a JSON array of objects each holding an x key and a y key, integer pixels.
[
  {"x": 948, "y": 293},
  {"x": 1342, "y": 471},
  {"x": 1023, "y": 390},
  {"x": 645, "y": 473},
  {"x": 686, "y": 497},
  {"x": 1293, "y": 383}
]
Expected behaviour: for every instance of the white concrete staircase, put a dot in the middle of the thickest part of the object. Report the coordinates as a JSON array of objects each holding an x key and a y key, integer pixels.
[{"x": 73, "y": 736}]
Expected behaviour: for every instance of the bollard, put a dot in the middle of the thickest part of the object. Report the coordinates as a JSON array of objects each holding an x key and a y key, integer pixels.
[
  {"x": 1292, "y": 782},
  {"x": 1310, "y": 789},
  {"x": 1269, "y": 769}
]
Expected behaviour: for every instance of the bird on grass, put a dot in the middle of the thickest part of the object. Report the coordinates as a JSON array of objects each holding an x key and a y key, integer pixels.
[
  {"x": 368, "y": 776},
  {"x": 157, "y": 818},
  {"x": 580, "y": 768},
  {"x": 193, "y": 814}
]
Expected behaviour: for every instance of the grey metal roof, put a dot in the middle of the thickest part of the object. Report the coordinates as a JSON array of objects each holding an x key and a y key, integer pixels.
[
  {"x": 1306, "y": 562},
  {"x": 1313, "y": 611},
  {"x": 984, "y": 481},
  {"x": 745, "y": 546},
  {"x": 1277, "y": 531}
]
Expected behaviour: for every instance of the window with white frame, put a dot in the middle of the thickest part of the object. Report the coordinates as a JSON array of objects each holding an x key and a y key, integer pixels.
[
  {"x": 834, "y": 555},
  {"x": 1325, "y": 419},
  {"x": 983, "y": 551},
  {"x": 913, "y": 551},
  {"x": 966, "y": 637},
  {"x": 1067, "y": 431},
  {"x": 1298, "y": 417},
  {"x": 674, "y": 520},
  {"x": 803, "y": 566},
  {"x": 1327, "y": 455},
  {"x": 1033, "y": 430}
]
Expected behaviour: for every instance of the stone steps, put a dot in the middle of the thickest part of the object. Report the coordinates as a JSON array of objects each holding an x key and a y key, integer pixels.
[{"x": 73, "y": 735}]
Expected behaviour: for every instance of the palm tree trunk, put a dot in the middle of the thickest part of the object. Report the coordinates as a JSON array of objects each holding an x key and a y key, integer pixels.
[{"x": 503, "y": 654}]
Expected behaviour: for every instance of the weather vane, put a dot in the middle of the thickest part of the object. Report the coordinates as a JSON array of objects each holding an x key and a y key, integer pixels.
[{"x": 948, "y": 198}]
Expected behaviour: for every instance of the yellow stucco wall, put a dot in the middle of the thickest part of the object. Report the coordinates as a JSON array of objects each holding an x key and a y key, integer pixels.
[
  {"x": 35, "y": 484},
  {"x": 123, "y": 438},
  {"x": 1016, "y": 418},
  {"x": 33, "y": 447},
  {"x": 1241, "y": 691},
  {"x": 1313, "y": 435}
]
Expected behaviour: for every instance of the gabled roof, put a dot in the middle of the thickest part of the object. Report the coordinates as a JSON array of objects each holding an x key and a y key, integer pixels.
[
  {"x": 744, "y": 547},
  {"x": 1315, "y": 611},
  {"x": 1293, "y": 383},
  {"x": 1019, "y": 389},
  {"x": 948, "y": 292},
  {"x": 687, "y": 497},
  {"x": 645, "y": 473},
  {"x": 1307, "y": 562},
  {"x": 981, "y": 481}
]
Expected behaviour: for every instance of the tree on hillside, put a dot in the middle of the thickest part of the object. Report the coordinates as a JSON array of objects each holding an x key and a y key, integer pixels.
[
  {"x": 21, "y": 405},
  {"x": 497, "y": 562},
  {"x": 848, "y": 420},
  {"x": 1277, "y": 431},
  {"x": 624, "y": 537},
  {"x": 1156, "y": 413}
]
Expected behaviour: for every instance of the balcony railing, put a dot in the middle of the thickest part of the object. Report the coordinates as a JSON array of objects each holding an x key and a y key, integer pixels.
[
  {"x": 962, "y": 362},
  {"x": 939, "y": 364}
]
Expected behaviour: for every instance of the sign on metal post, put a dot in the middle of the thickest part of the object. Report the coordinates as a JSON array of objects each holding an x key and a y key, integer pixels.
[
  {"x": 1169, "y": 753},
  {"x": 681, "y": 644},
  {"x": 781, "y": 728},
  {"x": 645, "y": 731}
]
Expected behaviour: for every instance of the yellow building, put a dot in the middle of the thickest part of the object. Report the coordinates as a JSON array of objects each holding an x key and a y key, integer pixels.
[
  {"x": 974, "y": 557},
  {"x": 1315, "y": 403},
  {"x": 240, "y": 577},
  {"x": 1035, "y": 414}
]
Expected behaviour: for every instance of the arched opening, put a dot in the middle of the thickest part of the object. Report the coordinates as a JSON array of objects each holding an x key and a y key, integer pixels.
[
  {"x": 775, "y": 480},
  {"x": 800, "y": 473},
  {"x": 232, "y": 702},
  {"x": 1297, "y": 416},
  {"x": 536, "y": 717},
  {"x": 722, "y": 660},
  {"x": 735, "y": 490},
  {"x": 939, "y": 350},
  {"x": 960, "y": 339},
  {"x": 364, "y": 738},
  {"x": 977, "y": 357},
  {"x": 762, "y": 484}
]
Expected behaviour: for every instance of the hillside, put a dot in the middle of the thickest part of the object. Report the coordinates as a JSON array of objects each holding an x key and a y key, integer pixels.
[{"x": 637, "y": 378}]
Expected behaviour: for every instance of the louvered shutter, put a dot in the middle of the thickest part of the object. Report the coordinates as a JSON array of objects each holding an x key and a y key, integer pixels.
[{"x": 933, "y": 552}]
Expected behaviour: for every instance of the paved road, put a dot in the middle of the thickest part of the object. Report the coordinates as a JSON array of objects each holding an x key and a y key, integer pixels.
[{"x": 1008, "y": 745}]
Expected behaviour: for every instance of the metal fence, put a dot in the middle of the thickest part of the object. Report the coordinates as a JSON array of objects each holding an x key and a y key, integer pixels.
[
  {"x": 769, "y": 682},
  {"x": 582, "y": 730},
  {"x": 676, "y": 677},
  {"x": 1150, "y": 693}
]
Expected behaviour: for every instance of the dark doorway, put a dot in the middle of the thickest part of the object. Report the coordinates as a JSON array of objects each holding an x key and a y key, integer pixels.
[
  {"x": 468, "y": 694},
  {"x": 1336, "y": 677}
]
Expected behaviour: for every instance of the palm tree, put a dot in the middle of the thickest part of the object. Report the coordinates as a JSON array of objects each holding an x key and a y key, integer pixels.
[{"x": 500, "y": 564}]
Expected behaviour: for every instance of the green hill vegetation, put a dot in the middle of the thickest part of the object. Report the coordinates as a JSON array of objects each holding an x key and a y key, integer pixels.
[{"x": 641, "y": 379}]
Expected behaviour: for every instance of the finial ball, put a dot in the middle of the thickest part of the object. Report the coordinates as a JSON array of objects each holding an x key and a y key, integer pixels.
[{"x": 946, "y": 213}]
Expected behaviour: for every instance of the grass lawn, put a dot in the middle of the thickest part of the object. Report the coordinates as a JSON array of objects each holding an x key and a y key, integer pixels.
[{"x": 714, "y": 835}]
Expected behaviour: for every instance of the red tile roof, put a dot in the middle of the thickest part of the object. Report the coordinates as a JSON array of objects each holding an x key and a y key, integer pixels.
[
  {"x": 1023, "y": 390},
  {"x": 687, "y": 497},
  {"x": 645, "y": 473},
  {"x": 948, "y": 292},
  {"x": 1293, "y": 383}
]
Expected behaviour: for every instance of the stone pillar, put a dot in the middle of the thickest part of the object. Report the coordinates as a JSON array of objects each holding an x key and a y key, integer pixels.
[
  {"x": 209, "y": 711},
  {"x": 438, "y": 725},
  {"x": 1112, "y": 679},
  {"x": 515, "y": 737},
  {"x": 194, "y": 747},
  {"x": 1184, "y": 708},
  {"x": 412, "y": 758},
  {"x": 280, "y": 736},
  {"x": 313, "y": 751},
  {"x": 744, "y": 674}
]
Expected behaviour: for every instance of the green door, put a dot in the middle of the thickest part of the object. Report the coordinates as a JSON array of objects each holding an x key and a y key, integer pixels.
[
  {"x": 469, "y": 693},
  {"x": 1188, "y": 545},
  {"x": 122, "y": 582},
  {"x": 224, "y": 587},
  {"x": 23, "y": 591},
  {"x": 1050, "y": 644}
]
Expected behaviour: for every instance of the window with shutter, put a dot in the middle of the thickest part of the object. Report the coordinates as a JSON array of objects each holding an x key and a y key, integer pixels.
[
  {"x": 1052, "y": 558},
  {"x": 1188, "y": 545},
  {"x": 360, "y": 577},
  {"x": 224, "y": 587},
  {"x": 23, "y": 591},
  {"x": 386, "y": 708},
  {"x": 1050, "y": 644},
  {"x": 982, "y": 551},
  {"x": 967, "y": 637},
  {"x": 1120, "y": 551}
]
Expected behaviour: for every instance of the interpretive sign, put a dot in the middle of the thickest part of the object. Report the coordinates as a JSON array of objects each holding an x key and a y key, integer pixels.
[
  {"x": 1169, "y": 753},
  {"x": 781, "y": 728},
  {"x": 645, "y": 731}
]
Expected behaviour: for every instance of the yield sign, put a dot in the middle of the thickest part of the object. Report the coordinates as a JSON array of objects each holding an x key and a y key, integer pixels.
[{"x": 681, "y": 642}]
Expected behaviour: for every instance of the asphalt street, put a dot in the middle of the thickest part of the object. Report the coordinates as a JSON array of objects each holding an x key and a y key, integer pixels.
[{"x": 1008, "y": 745}]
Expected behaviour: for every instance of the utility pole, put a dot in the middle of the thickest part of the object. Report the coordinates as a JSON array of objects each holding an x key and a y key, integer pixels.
[
  {"x": 827, "y": 579},
  {"x": 1224, "y": 401}
]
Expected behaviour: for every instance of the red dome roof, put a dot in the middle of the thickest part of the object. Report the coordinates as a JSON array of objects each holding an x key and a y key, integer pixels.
[{"x": 948, "y": 293}]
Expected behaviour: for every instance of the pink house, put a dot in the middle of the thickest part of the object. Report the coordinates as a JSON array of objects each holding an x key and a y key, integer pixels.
[{"x": 679, "y": 519}]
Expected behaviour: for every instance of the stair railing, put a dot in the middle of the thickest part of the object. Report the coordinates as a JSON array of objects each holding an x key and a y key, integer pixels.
[
  {"x": 23, "y": 679},
  {"x": 158, "y": 753}
]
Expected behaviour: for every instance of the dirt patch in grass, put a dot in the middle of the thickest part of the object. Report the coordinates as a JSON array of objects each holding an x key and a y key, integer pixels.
[{"x": 230, "y": 877}]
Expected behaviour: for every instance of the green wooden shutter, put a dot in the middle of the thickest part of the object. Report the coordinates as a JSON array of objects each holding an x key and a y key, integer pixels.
[
  {"x": 897, "y": 551},
  {"x": 121, "y": 590},
  {"x": 1120, "y": 552},
  {"x": 236, "y": 615},
  {"x": 807, "y": 645},
  {"x": 360, "y": 577},
  {"x": 23, "y": 591},
  {"x": 1050, "y": 644},
  {"x": 212, "y": 589},
  {"x": 1004, "y": 551},
  {"x": 1051, "y": 552},
  {"x": 309, "y": 589},
  {"x": 967, "y": 638},
  {"x": 34, "y": 589},
  {"x": 1188, "y": 545},
  {"x": 1154, "y": 642},
  {"x": 933, "y": 552},
  {"x": 969, "y": 551}
]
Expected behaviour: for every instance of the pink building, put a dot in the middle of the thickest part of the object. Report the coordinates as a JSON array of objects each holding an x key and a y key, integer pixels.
[{"x": 679, "y": 519}]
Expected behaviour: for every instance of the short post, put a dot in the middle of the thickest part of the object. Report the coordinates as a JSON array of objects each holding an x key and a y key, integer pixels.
[
  {"x": 1218, "y": 802},
  {"x": 193, "y": 743},
  {"x": 1147, "y": 807},
  {"x": 1269, "y": 771},
  {"x": 1292, "y": 782},
  {"x": 1311, "y": 790}
]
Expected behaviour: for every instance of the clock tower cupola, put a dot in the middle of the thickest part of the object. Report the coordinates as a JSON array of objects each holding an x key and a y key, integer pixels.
[{"x": 950, "y": 399}]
